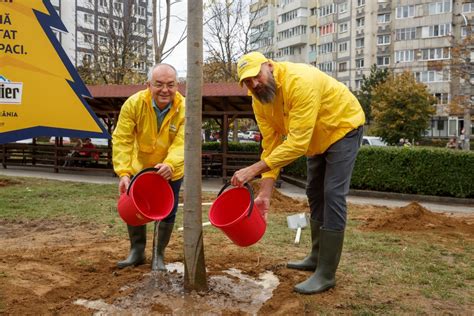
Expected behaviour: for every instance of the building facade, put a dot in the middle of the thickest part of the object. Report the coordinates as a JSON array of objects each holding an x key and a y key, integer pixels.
[
  {"x": 105, "y": 31},
  {"x": 344, "y": 38}
]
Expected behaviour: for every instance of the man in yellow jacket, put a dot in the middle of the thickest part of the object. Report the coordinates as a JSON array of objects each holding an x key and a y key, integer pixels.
[
  {"x": 150, "y": 133},
  {"x": 302, "y": 111}
]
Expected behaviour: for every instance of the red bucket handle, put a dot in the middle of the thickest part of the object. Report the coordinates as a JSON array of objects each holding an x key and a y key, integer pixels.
[
  {"x": 136, "y": 176},
  {"x": 248, "y": 187}
]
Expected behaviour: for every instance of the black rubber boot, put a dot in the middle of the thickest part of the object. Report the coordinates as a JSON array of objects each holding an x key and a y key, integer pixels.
[
  {"x": 137, "y": 235},
  {"x": 324, "y": 278},
  {"x": 310, "y": 261},
  {"x": 162, "y": 238}
]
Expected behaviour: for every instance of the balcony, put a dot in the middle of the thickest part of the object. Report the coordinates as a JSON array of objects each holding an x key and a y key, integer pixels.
[{"x": 293, "y": 41}]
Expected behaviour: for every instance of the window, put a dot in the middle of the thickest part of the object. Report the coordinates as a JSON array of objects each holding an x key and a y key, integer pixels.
[
  {"x": 138, "y": 28},
  {"x": 88, "y": 18},
  {"x": 118, "y": 25},
  {"x": 383, "y": 60},
  {"x": 383, "y": 39},
  {"x": 432, "y": 76},
  {"x": 327, "y": 10},
  {"x": 435, "y": 53},
  {"x": 86, "y": 59},
  {"x": 118, "y": 7},
  {"x": 405, "y": 34},
  {"x": 443, "y": 98},
  {"x": 103, "y": 22},
  {"x": 359, "y": 42},
  {"x": 468, "y": 7},
  {"x": 403, "y": 56},
  {"x": 358, "y": 84},
  {"x": 383, "y": 18},
  {"x": 359, "y": 63},
  {"x": 343, "y": 27},
  {"x": 292, "y": 32},
  {"x": 343, "y": 47},
  {"x": 104, "y": 3},
  {"x": 140, "y": 11},
  {"x": 404, "y": 12},
  {"x": 360, "y": 22},
  {"x": 326, "y": 67},
  {"x": 343, "y": 7},
  {"x": 439, "y": 7},
  {"x": 102, "y": 41},
  {"x": 326, "y": 29},
  {"x": 436, "y": 30},
  {"x": 325, "y": 48},
  {"x": 360, "y": 3},
  {"x": 88, "y": 38},
  {"x": 343, "y": 66}
]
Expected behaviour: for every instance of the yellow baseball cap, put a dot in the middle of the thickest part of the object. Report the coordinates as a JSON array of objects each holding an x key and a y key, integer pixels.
[{"x": 249, "y": 65}]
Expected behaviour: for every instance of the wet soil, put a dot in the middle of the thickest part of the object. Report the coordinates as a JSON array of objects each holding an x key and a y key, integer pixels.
[{"x": 46, "y": 266}]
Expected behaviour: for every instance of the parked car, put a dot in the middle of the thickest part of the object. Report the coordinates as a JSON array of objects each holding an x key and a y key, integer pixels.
[
  {"x": 254, "y": 135},
  {"x": 100, "y": 141},
  {"x": 373, "y": 141},
  {"x": 66, "y": 140}
]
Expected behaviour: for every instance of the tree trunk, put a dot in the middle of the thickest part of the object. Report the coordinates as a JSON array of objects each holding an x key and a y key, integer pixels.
[{"x": 194, "y": 264}]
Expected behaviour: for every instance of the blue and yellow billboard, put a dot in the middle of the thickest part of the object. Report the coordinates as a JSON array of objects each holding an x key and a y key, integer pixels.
[{"x": 41, "y": 93}]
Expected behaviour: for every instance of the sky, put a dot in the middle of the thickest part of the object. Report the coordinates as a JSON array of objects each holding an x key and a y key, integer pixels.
[{"x": 178, "y": 57}]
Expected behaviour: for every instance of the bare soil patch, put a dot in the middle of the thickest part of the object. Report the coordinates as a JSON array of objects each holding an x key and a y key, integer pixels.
[{"x": 46, "y": 265}]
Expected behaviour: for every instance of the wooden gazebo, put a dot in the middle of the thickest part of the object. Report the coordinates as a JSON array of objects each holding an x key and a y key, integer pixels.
[{"x": 222, "y": 101}]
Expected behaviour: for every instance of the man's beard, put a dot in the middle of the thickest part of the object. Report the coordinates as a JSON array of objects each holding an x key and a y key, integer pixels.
[{"x": 266, "y": 93}]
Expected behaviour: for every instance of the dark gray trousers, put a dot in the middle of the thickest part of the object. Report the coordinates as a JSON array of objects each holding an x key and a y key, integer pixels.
[{"x": 329, "y": 176}]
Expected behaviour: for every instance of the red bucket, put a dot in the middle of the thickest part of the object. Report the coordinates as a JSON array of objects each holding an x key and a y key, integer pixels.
[
  {"x": 149, "y": 198},
  {"x": 235, "y": 213}
]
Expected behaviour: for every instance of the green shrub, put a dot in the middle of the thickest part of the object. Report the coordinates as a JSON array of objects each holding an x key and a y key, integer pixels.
[
  {"x": 252, "y": 147},
  {"x": 430, "y": 171}
]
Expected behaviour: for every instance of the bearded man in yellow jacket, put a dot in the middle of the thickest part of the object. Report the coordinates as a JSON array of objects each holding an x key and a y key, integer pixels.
[
  {"x": 150, "y": 133},
  {"x": 302, "y": 111}
]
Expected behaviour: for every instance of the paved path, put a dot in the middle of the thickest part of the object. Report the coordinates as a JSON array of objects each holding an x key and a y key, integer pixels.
[{"x": 214, "y": 185}]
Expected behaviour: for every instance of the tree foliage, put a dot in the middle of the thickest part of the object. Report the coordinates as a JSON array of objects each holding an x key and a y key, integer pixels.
[
  {"x": 364, "y": 95},
  {"x": 401, "y": 108}
]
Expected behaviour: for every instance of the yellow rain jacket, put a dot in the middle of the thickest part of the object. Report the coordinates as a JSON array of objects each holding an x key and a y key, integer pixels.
[
  {"x": 311, "y": 112},
  {"x": 137, "y": 143}
]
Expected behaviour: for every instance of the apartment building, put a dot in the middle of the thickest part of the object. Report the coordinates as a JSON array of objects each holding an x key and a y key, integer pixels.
[
  {"x": 344, "y": 38},
  {"x": 97, "y": 29}
]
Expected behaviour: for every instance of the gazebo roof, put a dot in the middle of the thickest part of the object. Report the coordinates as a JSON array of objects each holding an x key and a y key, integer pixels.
[{"x": 218, "y": 98}]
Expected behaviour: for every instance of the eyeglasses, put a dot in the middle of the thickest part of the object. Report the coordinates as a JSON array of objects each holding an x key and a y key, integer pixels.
[{"x": 161, "y": 85}]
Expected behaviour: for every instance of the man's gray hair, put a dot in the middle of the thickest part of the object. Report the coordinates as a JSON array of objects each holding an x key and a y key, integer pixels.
[{"x": 150, "y": 72}]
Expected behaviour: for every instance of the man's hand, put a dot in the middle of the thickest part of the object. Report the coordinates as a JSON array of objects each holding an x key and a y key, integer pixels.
[
  {"x": 123, "y": 184},
  {"x": 263, "y": 205},
  {"x": 164, "y": 170},
  {"x": 247, "y": 174},
  {"x": 264, "y": 196}
]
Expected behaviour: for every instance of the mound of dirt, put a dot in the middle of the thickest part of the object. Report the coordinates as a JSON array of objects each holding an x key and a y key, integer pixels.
[
  {"x": 414, "y": 217},
  {"x": 281, "y": 202}
]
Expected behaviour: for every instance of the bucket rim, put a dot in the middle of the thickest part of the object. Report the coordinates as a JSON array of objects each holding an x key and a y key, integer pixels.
[
  {"x": 244, "y": 214},
  {"x": 167, "y": 187}
]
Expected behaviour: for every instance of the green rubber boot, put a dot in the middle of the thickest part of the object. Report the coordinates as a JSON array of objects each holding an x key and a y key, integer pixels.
[
  {"x": 324, "y": 278},
  {"x": 137, "y": 235},
  {"x": 310, "y": 261},
  {"x": 162, "y": 237}
]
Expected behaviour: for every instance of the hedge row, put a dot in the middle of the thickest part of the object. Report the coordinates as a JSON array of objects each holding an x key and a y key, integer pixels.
[
  {"x": 251, "y": 147},
  {"x": 428, "y": 171}
]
